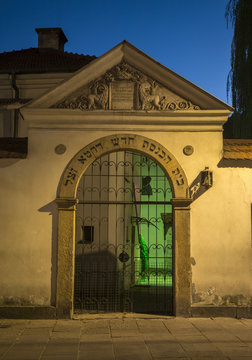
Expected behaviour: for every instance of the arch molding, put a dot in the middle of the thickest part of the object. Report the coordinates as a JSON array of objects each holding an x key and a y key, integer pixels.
[{"x": 66, "y": 200}]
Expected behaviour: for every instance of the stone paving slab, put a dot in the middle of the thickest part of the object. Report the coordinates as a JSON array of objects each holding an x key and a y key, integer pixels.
[
  {"x": 96, "y": 350},
  {"x": 126, "y": 337},
  {"x": 162, "y": 348},
  {"x": 127, "y": 348}
]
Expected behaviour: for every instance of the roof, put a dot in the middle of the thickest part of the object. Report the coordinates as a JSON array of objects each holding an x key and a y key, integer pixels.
[
  {"x": 13, "y": 101},
  {"x": 237, "y": 149},
  {"x": 129, "y": 54},
  {"x": 35, "y": 60}
]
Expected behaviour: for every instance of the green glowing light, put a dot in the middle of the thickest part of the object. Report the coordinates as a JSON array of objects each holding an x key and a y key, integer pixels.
[{"x": 153, "y": 255}]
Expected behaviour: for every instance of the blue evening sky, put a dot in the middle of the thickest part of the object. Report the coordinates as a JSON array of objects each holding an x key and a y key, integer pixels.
[{"x": 188, "y": 36}]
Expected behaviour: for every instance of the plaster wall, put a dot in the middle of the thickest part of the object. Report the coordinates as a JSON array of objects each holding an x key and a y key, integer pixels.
[
  {"x": 30, "y": 86},
  {"x": 221, "y": 239},
  {"x": 34, "y": 85},
  {"x": 6, "y": 123},
  {"x": 220, "y": 221}
]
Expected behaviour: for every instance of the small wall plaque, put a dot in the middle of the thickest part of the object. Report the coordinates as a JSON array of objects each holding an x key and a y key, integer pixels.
[
  {"x": 60, "y": 149},
  {"x": 188, "y": 150},
  {"x": 122, "y": 95}
]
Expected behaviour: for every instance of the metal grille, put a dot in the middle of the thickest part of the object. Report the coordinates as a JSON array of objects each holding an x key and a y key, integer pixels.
[{"x": 123, "y": 259}]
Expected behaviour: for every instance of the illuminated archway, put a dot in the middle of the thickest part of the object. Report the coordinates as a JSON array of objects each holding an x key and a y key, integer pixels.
[{"x": 66, "y": 201}]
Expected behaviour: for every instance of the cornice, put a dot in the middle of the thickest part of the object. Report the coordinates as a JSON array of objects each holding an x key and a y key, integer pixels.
[{"x": 68, "y": 119}]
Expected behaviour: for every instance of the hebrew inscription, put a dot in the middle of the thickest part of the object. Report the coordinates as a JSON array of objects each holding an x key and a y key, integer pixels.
[
  {"x": 152, "y": 148},
  {"x": 122, "y": 95},
  {"x": 92, "y": 152},
  {"x": 119, "y": 142},
  {"x": 71, "y": 175},
  {"x": 87, "y": 154},
  {"x": 179, "y": 177},
  {"x": 124, "y": 140}
]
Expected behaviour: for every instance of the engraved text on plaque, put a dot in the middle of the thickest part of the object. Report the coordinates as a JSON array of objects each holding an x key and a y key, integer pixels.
[{"x": 122, "y": 95}]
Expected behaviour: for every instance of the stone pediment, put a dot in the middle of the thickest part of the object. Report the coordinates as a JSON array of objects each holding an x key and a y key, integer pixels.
[
  {"x": 123, "y": 87},
  {"x": 126, "y": 79}
]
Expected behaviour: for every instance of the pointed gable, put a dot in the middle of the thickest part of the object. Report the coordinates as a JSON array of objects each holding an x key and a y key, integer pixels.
[{"x": 127, "y": 79}]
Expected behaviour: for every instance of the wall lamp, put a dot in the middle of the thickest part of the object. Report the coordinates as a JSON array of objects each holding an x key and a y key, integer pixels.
[{"x": 206, "y": 178}]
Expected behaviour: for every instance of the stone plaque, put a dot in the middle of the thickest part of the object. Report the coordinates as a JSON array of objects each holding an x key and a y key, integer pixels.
[
  {"x": 60, "y": 149},
  {"x": 122, "y": 95},
  {"x": 188, "y": 150}
]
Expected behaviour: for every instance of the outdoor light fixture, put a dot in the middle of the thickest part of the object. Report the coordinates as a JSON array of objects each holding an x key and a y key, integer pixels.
[{"x": 206, "y": 178}]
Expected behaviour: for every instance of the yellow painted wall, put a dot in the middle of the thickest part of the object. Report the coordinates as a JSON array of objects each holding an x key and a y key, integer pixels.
[{"x": 220, "y": 218}]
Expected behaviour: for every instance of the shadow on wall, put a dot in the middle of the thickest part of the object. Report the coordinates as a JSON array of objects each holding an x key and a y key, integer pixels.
[
  {"x": 52, "y": 209},
  {"x": 8, "y": 162},
  {"x": 96, "y": 280},
  {"x": 202, "y": 183}
]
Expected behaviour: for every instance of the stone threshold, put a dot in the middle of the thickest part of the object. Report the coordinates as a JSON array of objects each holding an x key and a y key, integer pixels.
[
  {"x": 49, "y": 312},
  {"x": 119, "y": 315}
]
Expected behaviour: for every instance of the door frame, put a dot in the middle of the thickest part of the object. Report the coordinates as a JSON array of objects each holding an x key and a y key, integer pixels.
[{"x": 66, "y": 201}]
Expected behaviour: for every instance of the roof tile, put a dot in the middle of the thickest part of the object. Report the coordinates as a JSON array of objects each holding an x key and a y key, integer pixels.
[
  {"x": 237, "y": 149},
  {"x": 42, "y": 60}
]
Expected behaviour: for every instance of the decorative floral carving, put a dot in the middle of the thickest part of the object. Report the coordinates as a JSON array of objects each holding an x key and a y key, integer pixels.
[
  {"x": 123, "y": 71},
  {"x": 80, "y": 102},
  {"x": 151, "y": 95}
]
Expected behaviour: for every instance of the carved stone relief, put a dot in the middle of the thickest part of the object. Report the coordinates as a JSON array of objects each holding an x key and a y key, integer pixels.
[
  {"x": 95, "y": 97},
  {"x": 125, "y": 88}
]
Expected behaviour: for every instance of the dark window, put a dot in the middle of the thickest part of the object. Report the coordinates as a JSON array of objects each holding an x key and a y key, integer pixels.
[{"x": 88, "y": 234}]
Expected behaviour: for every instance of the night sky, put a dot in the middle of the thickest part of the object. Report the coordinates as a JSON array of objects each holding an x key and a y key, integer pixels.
[{"x": 188, "y": 36}]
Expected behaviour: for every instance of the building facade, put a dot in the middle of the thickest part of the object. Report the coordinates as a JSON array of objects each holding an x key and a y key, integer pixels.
[{"x": 118, "y": 191}]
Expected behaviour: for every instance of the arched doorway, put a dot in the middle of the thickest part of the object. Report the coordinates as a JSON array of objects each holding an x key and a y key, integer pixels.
[
  {"x": 123, "y": 238},
  {"x": 155, "y": 153}
]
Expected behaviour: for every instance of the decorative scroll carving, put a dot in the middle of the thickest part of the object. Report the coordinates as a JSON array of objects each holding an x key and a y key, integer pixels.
[
  {"x": 150, "y": 95},
  {"x": 178, "y": 105},
  {"x": 153, "y": 97}
]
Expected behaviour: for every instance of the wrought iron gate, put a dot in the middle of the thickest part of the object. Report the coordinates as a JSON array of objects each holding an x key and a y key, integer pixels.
[{"x": 123, "y": 259}]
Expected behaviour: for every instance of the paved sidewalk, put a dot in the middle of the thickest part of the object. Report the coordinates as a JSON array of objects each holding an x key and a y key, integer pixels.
[{"x": 126, "y": 337}]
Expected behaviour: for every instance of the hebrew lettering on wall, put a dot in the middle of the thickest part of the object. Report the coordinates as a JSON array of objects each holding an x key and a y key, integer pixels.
[
  {"x": 126, "y": 142},
  {"x": 152, "y": 148},
  {"x": 88, "y": 153}
]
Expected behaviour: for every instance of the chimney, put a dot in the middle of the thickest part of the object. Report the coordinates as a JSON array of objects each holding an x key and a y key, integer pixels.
[{"x": 51, "y": 38}]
